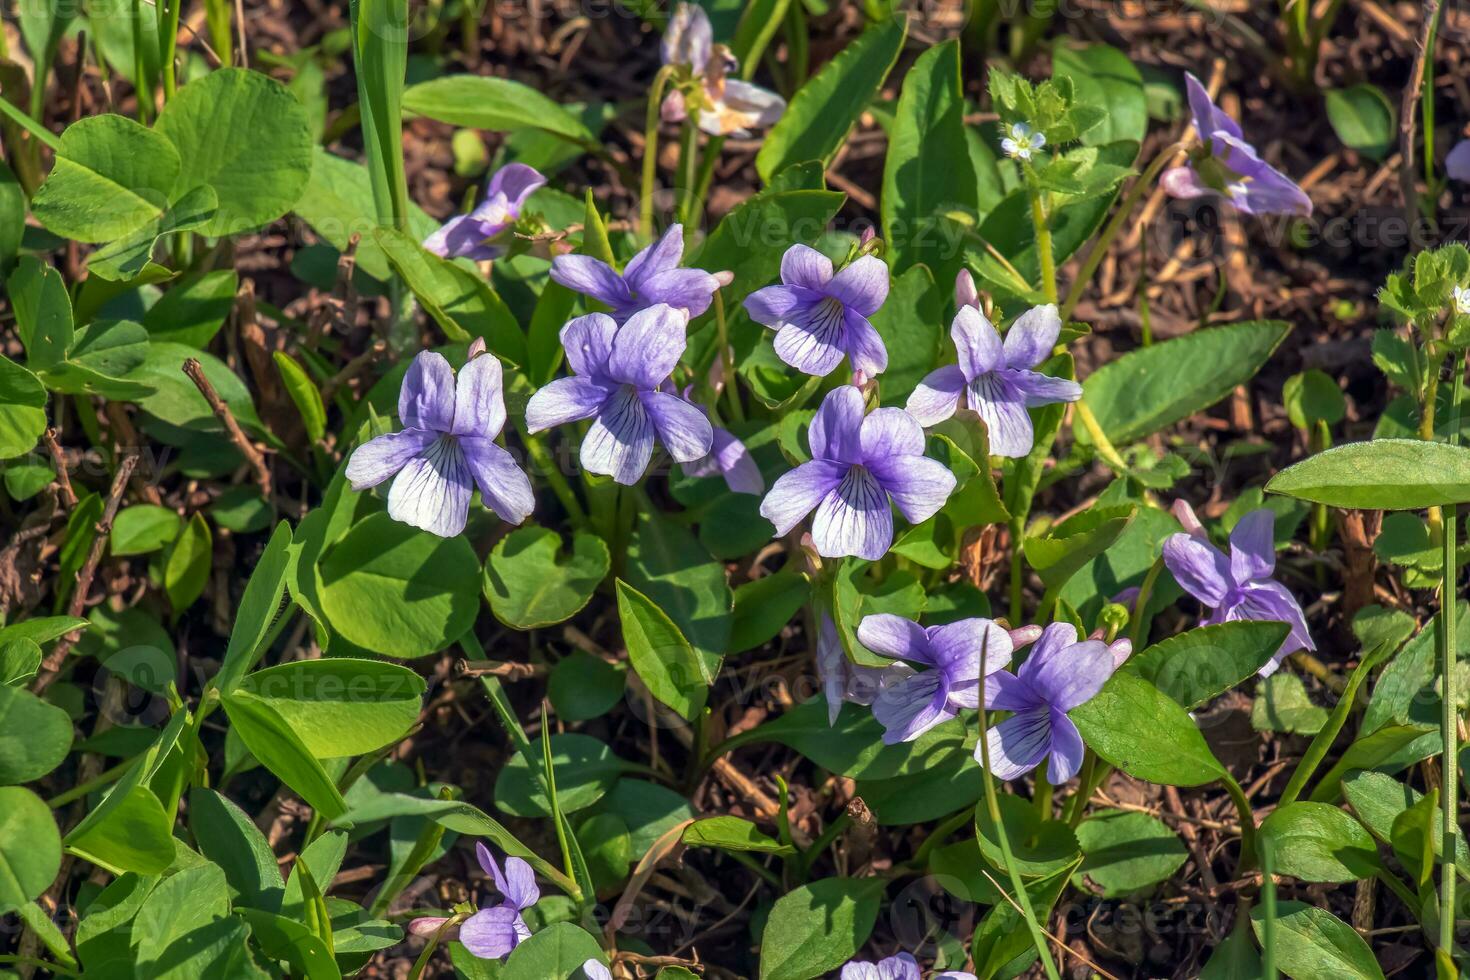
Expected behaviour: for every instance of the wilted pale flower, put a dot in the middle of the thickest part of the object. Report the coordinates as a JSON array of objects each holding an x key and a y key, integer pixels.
[
  {"x": 651, "y": 277},
  {"x": 857, "y": 465},
  {"x": 468, "y": 235},
  {"x": 1022, "y": 142},
  {"x": 619, "y": 374},
  {"x": 1226, "y": 164},
  {"x": 900, "y": 967},
  {"x": 1240, "y": 586},
  {"x": 996, "y": 378},
  {"x": 492, "y": 933},
  {"x": 1457, "y": 161},
  {"x": 910, "y": 707},
  {"x": 725, "y": 106},
  {"x": 1059, "y": 675},
  {"x": 842, "y": 680},
  {"x": 446, "y": 448},
  {"x": 820, "y": 318}
]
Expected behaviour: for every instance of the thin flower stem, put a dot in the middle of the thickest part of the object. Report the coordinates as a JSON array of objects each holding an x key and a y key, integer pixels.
[
  {"x": 544, "y": 464},
  {"x": 1449, "y": 719},
  {"x": 1140, "y": 605},
  {"x": 1043, "y": 246},
  {"x": 1115, "y": 225},
  {"x": 1268, "y": 908},
  {"x": 650, "y": 151},
  {"x": 727, "y": 362},
  {"x": 1018, "y": 531},
  {"x": 707, "y": 163},
  {"x": 1247, "y": 820},
  {"x": 688, "y": 169},
  {"x": 992, "y": 806}
]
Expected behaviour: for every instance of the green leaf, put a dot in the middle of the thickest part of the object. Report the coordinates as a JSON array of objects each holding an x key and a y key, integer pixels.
[
  {"x": 909, "y": 323},
  {"x": 559, "y": 950},
  {"x": 1282, "y": 705},
  {"x": 258, "y": 610},
  {"x": 1313, "y": 396},
  {"x": 1002, "y": 946},
  {"x": 193, "y": 309},
  {"x": 531, "y": 584},
  {"x": 494, "y": 104},
  {"x": 734, "y": 834},
  {"x": 1064, "y": 549},
  {"x": 111, "y": 177},
  {"x": 286, "y": 939},
  {"x": 460, "y": 300},
  {"x": 1102, "y": 76},
  {"x": 825, "y": 108},
  {"x": 1141, "y": 730},
  {"x": 143, "y": 529},
  {"x": 34, "y": 736},
  {"x": 30, "y": 846},
  {"x": 585, "y": 770},
  {"x": 101, "y": 354},
  {"x": 1317, "y": 842},
  {"x": 672, "y": 670},
  {"x": 1383, "y": 474},
  {"x": 1127, "y": 852},
  {"x": 1312, "y": 943},
  {"x": 380, "y": 36},
  {"x": 272, "y": 741},
  {"x": 304, "y": 394},
  {"x": 1203, "y": 663},
  {"x": 818, "y": 926},
  {"x": 668, "y": 565},
  {"x": 928, "y": 184},
  {"x": 765, "y": 605},
  {"x": 20, "y": 658},
  {"x": 22, "y": 409},
  {"x": 340, "y": 706},
  {"x": 1391, "y": 748},
  {"x": 1038, "y": 847},
  {"x": 125, "y": 259},
  {"x": 42, "y": 312},
  {"x": 338, "y": 203},
  {"x": 750, "y": 240},
  {"x": 12, "y": 217},
  {"x": 1153, "y": 387},
  {"x": 583, "y": 687},
  {"x": 255, "y": 180},
  {"x": 1363, "y": 119},
  {"x": 392, "y": 589},
  {"x": 229, "y": 838},
  {"x": 186, "y": 569},
  {"x": 134, "y": 835}
]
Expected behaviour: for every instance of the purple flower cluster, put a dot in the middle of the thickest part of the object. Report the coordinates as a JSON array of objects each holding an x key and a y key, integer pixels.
[
  {"x": 1238, "y": 586},
  {"x": 1226, "y": 164},
  {"x": 903, "y": 966}
]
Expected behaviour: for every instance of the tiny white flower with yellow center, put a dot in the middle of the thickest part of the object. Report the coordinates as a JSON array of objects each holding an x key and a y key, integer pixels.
[
  {"x": 1462, "y": 300},
  {"x": 1022, "y": 142}
]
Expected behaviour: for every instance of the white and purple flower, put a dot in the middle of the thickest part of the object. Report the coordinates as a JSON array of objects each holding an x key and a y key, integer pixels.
[
  {"x": 959, "y": 654},
  {"x": 842, "y": 680},
  {"x": 652, "y": 278},
  {"x": 1022, "y": 142},
  {"x": 1239, "y": 586},
  {"x": 446, "y": 448},
  {"x": 819, "y": 317},
  {"x": 619, "y": 381},
  {"x": 1060, "y": 674},
  {"x": 902, "y": 966},
  {"x": 724, "y": 106},
  {"x": 492, "y": 933},
  {"x": 470, "y": 235},
  {"x": 1226, "y": 164},
  {"x": 859, "y": 466},
  {"x": 997, "y": 379}
]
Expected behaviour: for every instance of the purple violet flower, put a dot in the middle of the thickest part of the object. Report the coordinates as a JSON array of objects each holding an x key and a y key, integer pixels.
[
  {"x": 911, "y": 707},
  {"x": 820, "y": 318},
  {"x": 651, "y": 278},
  {"x": 842, "y": 680},
  {"x": 1240, "y": 586},
  {"x": 996, "y": 378},
  {"x": 492, "y": 933},
  {"x": 1226, "y": 164},
  {"x": 902, "y": 966},
  {"x": 620, "y": 372},
  {"x": 467, "y": 235},
  {"x": 446, "y": 448},
  {"x": 1059, "y": 675},
  {"x": 1457, "y": 161},
  {"x": 726, "y": 106},
  {"x": 857, "y": 465}
]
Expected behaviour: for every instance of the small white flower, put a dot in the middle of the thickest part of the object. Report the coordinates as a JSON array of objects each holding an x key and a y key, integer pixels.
[
  {"x": 1462, "y": 300},
  {"x": 1022, "y": 142}
]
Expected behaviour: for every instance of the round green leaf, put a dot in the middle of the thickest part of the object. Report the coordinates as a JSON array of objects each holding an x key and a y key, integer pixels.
[
  {"x": 30, "y": 846},
  {"x": 22, "y": 409},
  {"x": 34, "y": 736},
  {"x": 1039, "y": 847},
  {"x": 559, "y": 950},
  {"x": 1318, "y": 842},
  {"x": 583, "y": 687},
  {"x": 530, "y": 582},
  {"x": 396, "y": 590},
  {"x": 111, "y": 177},
  {"x": 1310, "y": 396},
  {"x": 1363, "y": 119},
  {"x": 248, "y": 138},
  {"x": 585, "y": 770},
  {"x": 818, "y": 927},
  {"x": 1126, "y": 852},
  {"x": 142, "y": 528}
]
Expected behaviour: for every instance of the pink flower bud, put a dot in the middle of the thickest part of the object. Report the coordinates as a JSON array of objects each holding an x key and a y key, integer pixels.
[
  {"x": 477, "y": 347},
  {"x": 965, "y": 293},
  {"x": 1025, "y": 636}
]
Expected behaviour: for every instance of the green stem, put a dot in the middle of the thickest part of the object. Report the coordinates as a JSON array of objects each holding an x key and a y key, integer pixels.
[
  {"x": 1449, "y": 719},
  {"x": 1043, "y": 795},
  {"x": 1268, "y": 913},
  {"x": 544, "y": 464},
  {"x": 1100, "y": 440},
  {"x": 727, "y": 362},
  {"x": 688, "y": 169},
  {"x": 1140, "y": 606},
  {"x": 97, "y": 782},
  {"x": 650, "y": 151},
  {"x": 31, "y": 961},
  {"x": 712, "y": 148},
  {"x": 1043, "y": 246},
  {"x": 168, "y": 27},
  {"x": 1018, "y": 532},
  {"x": 1247, "y": 820},
  {"x": 1115, "y": 225},
  {"x": 1426, "y": 110}
]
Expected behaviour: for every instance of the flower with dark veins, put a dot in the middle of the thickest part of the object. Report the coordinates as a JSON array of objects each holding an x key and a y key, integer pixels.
[{"x": 819, "y": 317}]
